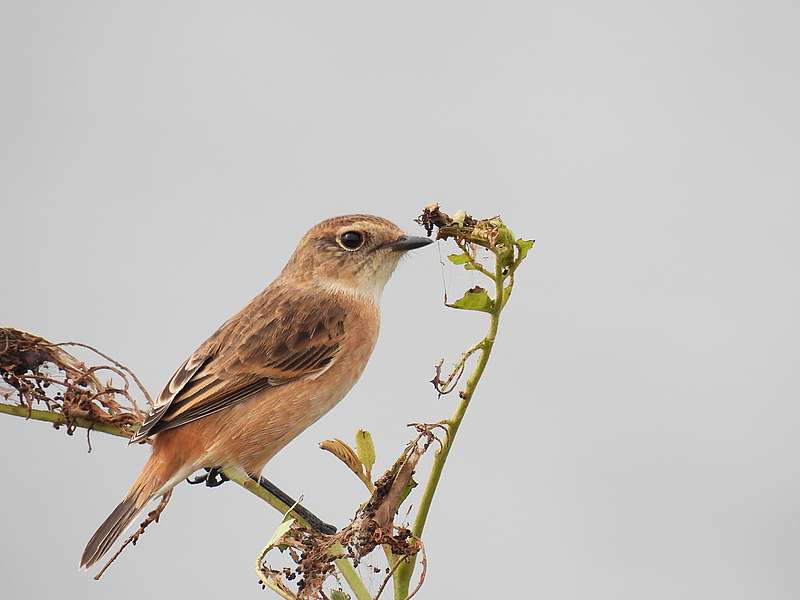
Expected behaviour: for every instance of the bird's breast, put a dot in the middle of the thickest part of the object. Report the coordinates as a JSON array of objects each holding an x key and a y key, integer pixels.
[
  {"x": 264, "y": 424},
  {"x": 327, "y": 388}
]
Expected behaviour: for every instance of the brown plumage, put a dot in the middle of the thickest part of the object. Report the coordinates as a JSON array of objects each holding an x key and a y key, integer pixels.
[{"x": 272, "y": 369}]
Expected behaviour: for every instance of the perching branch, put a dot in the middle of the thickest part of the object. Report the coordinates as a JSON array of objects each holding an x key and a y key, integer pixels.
[{"x": 58, "y": 420}]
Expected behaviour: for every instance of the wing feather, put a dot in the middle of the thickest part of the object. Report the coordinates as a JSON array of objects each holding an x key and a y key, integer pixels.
[{"x": 281, "y": 336}]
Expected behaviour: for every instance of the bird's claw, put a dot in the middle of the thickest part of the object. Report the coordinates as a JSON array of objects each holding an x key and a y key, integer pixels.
[{"x": 213, "y": 477}]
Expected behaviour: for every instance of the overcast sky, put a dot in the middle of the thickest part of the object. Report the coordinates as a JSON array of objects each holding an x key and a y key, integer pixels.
[{"x": 635, "y": 435}]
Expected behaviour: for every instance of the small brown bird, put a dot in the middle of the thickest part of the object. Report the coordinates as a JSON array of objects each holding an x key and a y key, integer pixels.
[{"x": 271, "y": 370}]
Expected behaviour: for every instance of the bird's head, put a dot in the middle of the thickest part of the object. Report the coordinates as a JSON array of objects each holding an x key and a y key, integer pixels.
[{"x": 352, "y": 254}]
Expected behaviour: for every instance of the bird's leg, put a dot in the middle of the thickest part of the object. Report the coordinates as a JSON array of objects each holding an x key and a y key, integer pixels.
[
  {"x": 197, "y": 479},
  {"x": 214, "y": 477},
  {"x": 313, "y": 520}
]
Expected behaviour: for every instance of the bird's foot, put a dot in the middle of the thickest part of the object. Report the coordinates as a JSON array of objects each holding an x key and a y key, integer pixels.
[{"x": 213, "y": 477}]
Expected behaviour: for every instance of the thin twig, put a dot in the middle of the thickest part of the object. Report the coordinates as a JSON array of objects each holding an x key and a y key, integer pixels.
[
  {"x": 388, "y": 578},
  {"x": 447, "y": 386},
  {"x": 423, "y": 561},
  {"x": 118, "y": 364},
  {"x": 152, "y": 517},
  {"x": 476, "y": 266}
]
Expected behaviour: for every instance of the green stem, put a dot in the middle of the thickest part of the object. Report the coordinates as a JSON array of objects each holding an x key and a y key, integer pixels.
[
  {"x": 350, "y": 574},
  {"x": 17, "y": 410},
  {"x": 476, "y": 266},
  {"x": 406, "y": 570}
]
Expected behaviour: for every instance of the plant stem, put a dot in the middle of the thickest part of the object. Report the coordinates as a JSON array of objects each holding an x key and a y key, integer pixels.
[
  {"x": 350, "y": 574},
  {"x": 17, "y": 410},
  {"x": 406, "y": 570},
  {"x": 476, "y": 266}
]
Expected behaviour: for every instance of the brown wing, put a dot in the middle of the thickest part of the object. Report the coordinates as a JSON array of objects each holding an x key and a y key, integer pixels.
[{"x": 281, "y": 336}]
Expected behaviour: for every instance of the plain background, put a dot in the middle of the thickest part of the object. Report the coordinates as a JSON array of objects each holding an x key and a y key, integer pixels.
[{"x": 636, "y": 433}]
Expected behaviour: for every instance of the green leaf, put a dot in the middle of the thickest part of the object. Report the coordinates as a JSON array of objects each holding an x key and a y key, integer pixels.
[
  {"x": 474, "y": 299},
  {"x": 505, "y": 254},
  {"x": 365, "y": 448},
  {"x": 523, "y": 246},
  {"x": 458, "y": 259},
  {"x": 339, "y": 595}
]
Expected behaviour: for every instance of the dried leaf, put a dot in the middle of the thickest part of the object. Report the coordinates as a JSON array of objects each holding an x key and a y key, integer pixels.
[
  {"x": 399, "y": 486},
  {"x": 345, "y": 454}
]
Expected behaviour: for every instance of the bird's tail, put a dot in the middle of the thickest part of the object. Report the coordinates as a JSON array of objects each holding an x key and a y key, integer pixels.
[{"x": 154, "y": 479}]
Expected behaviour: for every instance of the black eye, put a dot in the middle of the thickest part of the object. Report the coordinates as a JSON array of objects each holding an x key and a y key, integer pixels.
[{"x": 351, "y": 240}]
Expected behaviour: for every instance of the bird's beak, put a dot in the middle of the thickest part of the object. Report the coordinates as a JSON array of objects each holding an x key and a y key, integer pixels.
[{"x": 409, "y": 242}]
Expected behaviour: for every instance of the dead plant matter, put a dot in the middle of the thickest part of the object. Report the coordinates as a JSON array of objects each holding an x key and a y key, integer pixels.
[
  {"x": 43, "y": 375},
  {"x": 372, "y": 527}
]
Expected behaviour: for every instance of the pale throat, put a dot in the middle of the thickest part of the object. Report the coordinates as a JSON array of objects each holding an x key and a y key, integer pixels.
[{"x": 368, "y": 287}]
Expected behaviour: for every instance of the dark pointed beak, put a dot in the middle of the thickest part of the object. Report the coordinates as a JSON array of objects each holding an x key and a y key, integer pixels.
[{"x": 409, "y": 242}]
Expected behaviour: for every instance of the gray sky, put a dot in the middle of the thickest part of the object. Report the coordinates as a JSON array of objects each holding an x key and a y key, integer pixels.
[{"x": 635, "y": 434}]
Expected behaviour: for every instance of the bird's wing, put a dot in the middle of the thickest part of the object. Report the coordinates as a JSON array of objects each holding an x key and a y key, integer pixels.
[{"x": 281, "y": 336}]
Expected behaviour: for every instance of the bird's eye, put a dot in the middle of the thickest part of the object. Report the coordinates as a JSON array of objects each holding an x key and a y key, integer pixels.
[{"x": 351, "y": 240}]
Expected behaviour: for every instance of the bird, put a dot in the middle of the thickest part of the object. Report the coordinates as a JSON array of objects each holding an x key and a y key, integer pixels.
[{"x": 271, "y": 370}]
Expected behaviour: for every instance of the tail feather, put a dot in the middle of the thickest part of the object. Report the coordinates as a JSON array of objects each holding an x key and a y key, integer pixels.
[
  {"x": 163, "y": 470},
  {"x": 110, "y": 530},
  {"x": 150, "y": 482}
]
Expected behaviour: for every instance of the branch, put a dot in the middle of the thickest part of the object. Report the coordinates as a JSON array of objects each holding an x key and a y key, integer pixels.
[
  {"x": 453, "y": 423},
  {"x": 258, "y": 488},
  {"x": 57, "y": 419},
  {"x": 508, "y": 254},
  {"x": 448, "y": 384}
]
